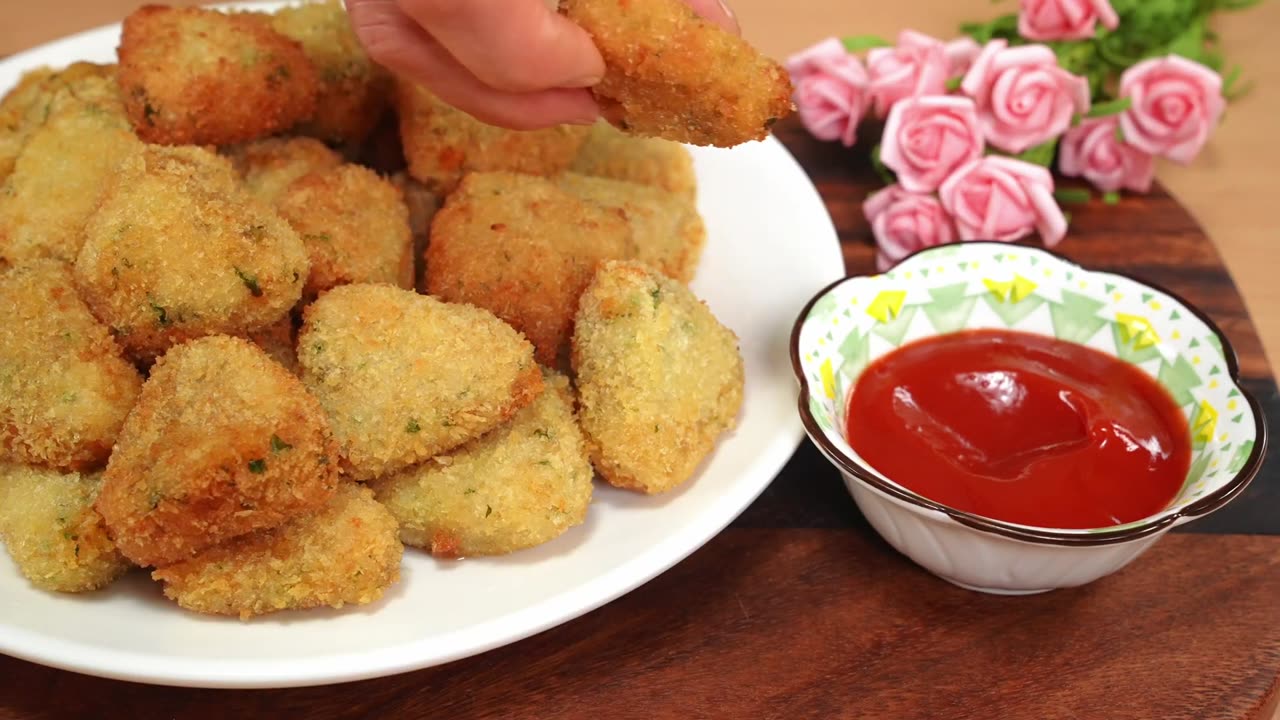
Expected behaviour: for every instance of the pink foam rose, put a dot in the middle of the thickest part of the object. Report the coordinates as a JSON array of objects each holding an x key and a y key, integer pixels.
[
  {"x": 1024, "y": 98},
  {"x": 961, "y": 53},
  {"x": 904, "y": 222},
  {"x": 1176, "y": 105},
  {"x": 1003, "y": 199},
  {"x": 927, "y": 138},
  {"x": 1047, "y": 20},
  {"x": 830, "y": 91},
  {"x": 1093, "y": 151},
  {"x": 917, "y": 66}
]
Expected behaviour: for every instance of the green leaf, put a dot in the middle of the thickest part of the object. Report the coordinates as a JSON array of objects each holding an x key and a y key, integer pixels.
[
  {"x": 1040, "y": 154},
  {"x": 954, "y": 83},
  {"x": 1107, "y": 109},
  {"x": 1072, "y": 196},
  {"x": 881, "y": 169},
  {"x": 1111, "y": 198},
  {"x": 858, "y": 43}
]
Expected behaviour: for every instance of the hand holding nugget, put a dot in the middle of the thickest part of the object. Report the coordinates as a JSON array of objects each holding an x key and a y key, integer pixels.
[{"x": 514, "y": 63}]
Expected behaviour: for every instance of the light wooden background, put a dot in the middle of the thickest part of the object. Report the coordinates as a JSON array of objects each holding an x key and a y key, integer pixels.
[{"x": 1231, "y": 188}]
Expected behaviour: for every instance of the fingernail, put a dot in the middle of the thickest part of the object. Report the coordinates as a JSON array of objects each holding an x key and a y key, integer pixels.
[
  {"x": 733, "y": 18},
  {"x": 585, "y": 81}
]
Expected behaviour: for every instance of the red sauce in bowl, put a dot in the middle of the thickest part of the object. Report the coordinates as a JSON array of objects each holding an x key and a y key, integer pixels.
[{"x": 1022, "y": 428}]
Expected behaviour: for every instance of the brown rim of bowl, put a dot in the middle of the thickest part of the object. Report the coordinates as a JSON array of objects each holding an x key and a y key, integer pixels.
[{"x": 1043, "y": 536}]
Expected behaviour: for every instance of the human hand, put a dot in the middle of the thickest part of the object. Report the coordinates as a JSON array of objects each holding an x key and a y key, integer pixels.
[{"x": 513, "y": 63}]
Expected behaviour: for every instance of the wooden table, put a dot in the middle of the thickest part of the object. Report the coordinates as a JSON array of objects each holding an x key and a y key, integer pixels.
[{"x": 798, "y": 609}]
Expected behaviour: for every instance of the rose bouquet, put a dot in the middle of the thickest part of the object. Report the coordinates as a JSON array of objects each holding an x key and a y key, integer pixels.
[{"x": 972, "y": 127}]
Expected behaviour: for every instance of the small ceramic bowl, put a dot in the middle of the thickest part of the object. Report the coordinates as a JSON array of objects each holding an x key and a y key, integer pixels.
[{"x": 992, "y": 285}]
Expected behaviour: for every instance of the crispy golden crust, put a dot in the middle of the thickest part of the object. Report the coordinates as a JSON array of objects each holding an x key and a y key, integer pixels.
[
  {"x": 522, "y": 248},
  {"x": 671, "y": 74},
  {"x": 521, "y": 485},
  {"x": 269, "y": 166},
  {"x": 223, "y": 442},
  {"x": 405, "y": 377},
  {"x": 347, "y": 553},
  {"x": 65, "y": 388},
  {"x": 355, "y": 226},
  {"x": 353, "y": 90},
  {"x": 201, "y": 77},
  {"x": 659, "y": 378},
  {"x": 178, "y": 250},
  {"x": 666, "y": 230},
  {"x": 442, "y": 144},
  {"x": 26, "y": 106},
  {"x": 611, "y": 153},
  {"x": 58, "y": 178},
  {"x": 52, "y": 532},
  {"x": 279, "y": 341}
]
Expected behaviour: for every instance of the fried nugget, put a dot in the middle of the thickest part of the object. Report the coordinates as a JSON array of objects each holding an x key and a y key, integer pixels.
[
  {"x": 611, "y": 153},
  {"x": 521, "y": 485},
  {"x": 524, "y": 249},
  {"x": 659, "y": 378},
  {"x": 671, "y": 74},
  {"x": 666, "y": 230},
  {"x": 347, "y": 553},
  {"x": 52, "y": 532},
  {"x": 404, "y": 377},
  {"x": 201, "y": 77},
  {"x": 26, "y": 106},
  {"x": 353, "y": 90},
  {"x": 442, "y": 143},
  {"x": 59, "y": 177},
  {"x": 355, "y": 226},
  {"x": 65, "y": 387},
  {"x": 178, "y": 249},
  {"x": 269, "y": 166},
  {"x": 223, "y": 442}
]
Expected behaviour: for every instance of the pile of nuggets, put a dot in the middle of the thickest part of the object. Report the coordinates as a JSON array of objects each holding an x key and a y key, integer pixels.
[{"x": 270, "y": 313}]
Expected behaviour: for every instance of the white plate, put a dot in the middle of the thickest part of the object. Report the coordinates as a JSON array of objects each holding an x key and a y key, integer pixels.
[{"x": 771, "y": 246}]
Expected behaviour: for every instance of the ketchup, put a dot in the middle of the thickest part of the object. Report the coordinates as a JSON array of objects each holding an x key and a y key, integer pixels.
[{"x": 1022, "y": 428}]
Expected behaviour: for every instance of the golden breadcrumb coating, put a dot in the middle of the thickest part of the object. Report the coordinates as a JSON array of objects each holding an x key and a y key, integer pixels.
[
  {"x": 65, "y": 387},
  {"x": 442, "y": 143},
  {"x": 659, "y": 378},
  {"x": 524, "y": 249},
  {"x": 671, "y": 74},
  {"x": 353, "y": 90},
  {"x": 355, "y": 226},
  {"x": 26, "y": 106},
  {"x": 405, "y": 377},
  {"x": 60, "y": 174},
  {"x": 611, "y": 153},
  {"x": 521, "y": 485},
  {"x": 346, "y": 553},
  {"x": 200, "y": 77},
  {"x": 178, "y": 250},
  {"x": 52, "y": 532},
  {"x": 666, "y": 230},
  {"x": 279, "y": 341},
  {"x": 223, "y": 441},
  {"x": 271, "y": 165}
]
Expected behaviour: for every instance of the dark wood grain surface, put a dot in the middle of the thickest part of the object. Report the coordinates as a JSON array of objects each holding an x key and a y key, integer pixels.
[{"x": 800, "y": 610}]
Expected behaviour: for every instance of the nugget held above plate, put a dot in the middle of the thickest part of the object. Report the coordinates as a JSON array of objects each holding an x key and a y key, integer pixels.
[
  {"x": 404, "y": 377},
  {"x": 671, "y": 74},
  {"x": 659, "y": 378}
]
